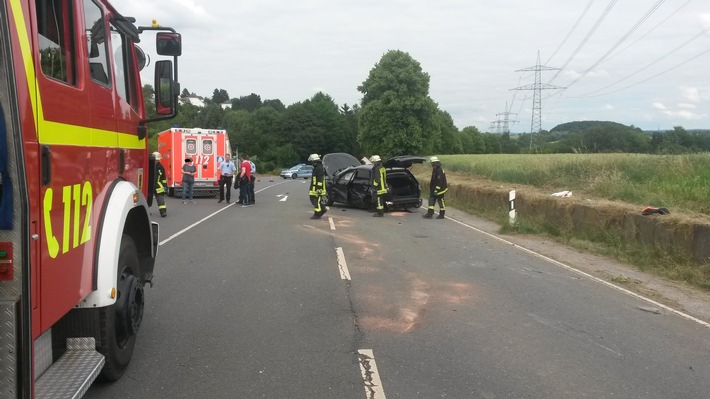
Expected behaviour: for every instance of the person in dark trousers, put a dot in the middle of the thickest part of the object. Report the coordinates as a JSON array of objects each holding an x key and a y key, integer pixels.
[
  {"x": 317, "y": 189},
  {"x": 437, "y": 189},
  {"x": 379, "y": 184},
  {"x": 244, "y": 179},
  {"x": 189, "y": 170},
  {"x": 227, "y": 170},
  {"x": 161, "y": 183}
]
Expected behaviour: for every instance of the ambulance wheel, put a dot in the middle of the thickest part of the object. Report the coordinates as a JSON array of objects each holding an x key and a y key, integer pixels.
[
  {"x": 119, "y": 322},
  {"x": 171, "y": 192}
]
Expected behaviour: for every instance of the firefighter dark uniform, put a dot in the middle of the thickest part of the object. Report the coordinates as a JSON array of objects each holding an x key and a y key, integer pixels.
[
  {"x": 317, "y": 189},
  {"x": 379, "y": 184},
  {"x": 161, "y": 183},
  {"x": 437, "y": 188}
]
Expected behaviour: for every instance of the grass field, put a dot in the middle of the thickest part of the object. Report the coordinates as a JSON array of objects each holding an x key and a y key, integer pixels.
[{"x": 676, "y": 182}]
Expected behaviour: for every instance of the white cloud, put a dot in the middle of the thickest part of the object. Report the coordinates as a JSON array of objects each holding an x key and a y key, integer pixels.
[{"x": 658, "y": 106}]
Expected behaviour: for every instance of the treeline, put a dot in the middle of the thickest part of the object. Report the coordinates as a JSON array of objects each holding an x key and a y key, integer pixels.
[{"x": 396, "y": 116}]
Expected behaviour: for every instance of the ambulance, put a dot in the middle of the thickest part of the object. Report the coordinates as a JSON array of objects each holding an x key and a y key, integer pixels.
[
  {"x": 77, "y": 244},
  {"x": 207, "y": 149}
]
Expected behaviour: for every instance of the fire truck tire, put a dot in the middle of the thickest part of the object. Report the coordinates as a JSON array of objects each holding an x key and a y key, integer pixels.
[
  {"x": 120, "y": 322},
  {"x": 171, "y": 192}
]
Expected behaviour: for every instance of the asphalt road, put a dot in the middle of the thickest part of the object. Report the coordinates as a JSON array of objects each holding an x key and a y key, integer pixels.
[{"x": 263, "y": 302}]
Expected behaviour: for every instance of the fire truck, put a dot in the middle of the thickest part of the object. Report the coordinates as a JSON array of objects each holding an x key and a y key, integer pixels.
[
  {"x": 77, "y": 246},
  {"x": 206, "y": 148}
]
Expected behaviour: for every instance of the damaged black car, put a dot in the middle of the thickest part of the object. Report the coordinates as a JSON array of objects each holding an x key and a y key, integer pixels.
[{"x": 348, "y": 181}]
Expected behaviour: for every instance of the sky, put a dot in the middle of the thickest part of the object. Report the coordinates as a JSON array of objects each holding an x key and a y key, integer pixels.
[{"x": 644, "y": 63}]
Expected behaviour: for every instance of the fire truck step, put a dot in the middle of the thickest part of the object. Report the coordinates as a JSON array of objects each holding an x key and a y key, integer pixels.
[{"x": 73, "y": 373}]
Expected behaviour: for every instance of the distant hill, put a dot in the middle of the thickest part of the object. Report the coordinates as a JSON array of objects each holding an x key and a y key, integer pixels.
[{"x": 581, "y": 126}]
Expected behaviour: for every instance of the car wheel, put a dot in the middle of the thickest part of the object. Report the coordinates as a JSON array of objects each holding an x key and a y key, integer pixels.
[
  {"x": 293, "y": 176},
  {"x": 119, "y": 322}
]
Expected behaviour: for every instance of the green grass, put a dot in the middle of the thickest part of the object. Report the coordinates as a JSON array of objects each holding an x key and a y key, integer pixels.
[{"x": 680, "y": 182}]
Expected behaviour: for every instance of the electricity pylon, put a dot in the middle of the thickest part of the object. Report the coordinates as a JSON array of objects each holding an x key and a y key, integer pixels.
[
  {"x": 537, "y": 88},
  {"x": 506, "y": 120}
]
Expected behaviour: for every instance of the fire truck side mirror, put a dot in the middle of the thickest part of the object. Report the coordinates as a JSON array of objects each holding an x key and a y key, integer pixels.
[
  {"x": 166, "y": 88},
  {"x": 168, "y": 43}
]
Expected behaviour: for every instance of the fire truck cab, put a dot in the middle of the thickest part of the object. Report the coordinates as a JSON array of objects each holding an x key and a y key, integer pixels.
[{"x": 77, "y": 245}]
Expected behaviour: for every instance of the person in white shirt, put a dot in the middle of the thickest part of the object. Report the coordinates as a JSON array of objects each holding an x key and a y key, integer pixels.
[
  {"x": 251, "y": 182},
  {"x": 227, "y": 169}
]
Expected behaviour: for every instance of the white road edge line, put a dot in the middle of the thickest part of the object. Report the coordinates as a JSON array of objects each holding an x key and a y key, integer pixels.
[
  {"x": 342, "y": 265},
  {"x": 587, "y": 275},
  {"x": 330, "y": 221},
  {"x": 370, "y": 375}
]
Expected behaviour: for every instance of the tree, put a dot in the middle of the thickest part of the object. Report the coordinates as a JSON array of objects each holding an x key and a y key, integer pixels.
[
  {"x": 350, "y": 115},
  {"x": 397, "y": 115},
  {"x": 445, "y": 139},
  {"x": 277, "y": 105},
  {"x": 220, "y": 96},
  {"x": 249, "y": 103},
  {"x": 184, "y": 95},
  {"x": 472, "y": 141}
]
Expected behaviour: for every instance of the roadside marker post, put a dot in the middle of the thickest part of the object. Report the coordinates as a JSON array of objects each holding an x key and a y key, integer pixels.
[{"x": 511, "y": 207}]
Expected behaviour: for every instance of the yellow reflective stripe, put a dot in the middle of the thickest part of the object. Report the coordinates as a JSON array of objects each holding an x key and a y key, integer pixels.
[
  {"x": 64, "y": 134},
  {"x": 26, "y": 56}
]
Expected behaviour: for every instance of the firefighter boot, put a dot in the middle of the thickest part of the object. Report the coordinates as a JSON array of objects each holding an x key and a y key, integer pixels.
[
  {"x": 380, "y": 213},
  {"x": 429, "y": 214},
  {"x": 163, "y": 213},
  {"x": 442, "y": 214},
  {"x": 316, "y": 215}
]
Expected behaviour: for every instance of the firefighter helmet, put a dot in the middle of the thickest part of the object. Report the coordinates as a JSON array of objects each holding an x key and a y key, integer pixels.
[
  {"x": 157, "y": 156},
  {"x": 313, "y": 158},
  {"x": 375, "y": 158},
  {"x": 434, "y": 159}
]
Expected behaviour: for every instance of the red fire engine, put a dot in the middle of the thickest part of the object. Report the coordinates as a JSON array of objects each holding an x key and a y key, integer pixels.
[
  {"x": 76, "y": 242},
  {"x": 206, "y": 148}
]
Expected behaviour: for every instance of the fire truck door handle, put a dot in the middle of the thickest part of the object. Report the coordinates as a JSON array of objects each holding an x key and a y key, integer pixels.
[{"x": 46, "y": 165}]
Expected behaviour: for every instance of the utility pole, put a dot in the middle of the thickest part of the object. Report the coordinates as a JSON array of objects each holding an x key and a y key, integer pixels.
[
  {"x": 537, "y": 87},
  {"x": 506, "y": 119}
]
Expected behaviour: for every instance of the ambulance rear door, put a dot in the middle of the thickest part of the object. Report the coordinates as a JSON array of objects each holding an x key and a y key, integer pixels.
[{"x": 201, "y": 148}]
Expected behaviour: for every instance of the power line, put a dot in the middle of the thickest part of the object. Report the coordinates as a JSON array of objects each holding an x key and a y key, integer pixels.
[
  {"x": 651, "y": 30},
  {"x": 699, "y": 35},
  {"x": 586, "y": 38},
  {"x": 570, "y": 32},
  {"x": 656, "y": 75},
  {"x": 623, "y": 38}
]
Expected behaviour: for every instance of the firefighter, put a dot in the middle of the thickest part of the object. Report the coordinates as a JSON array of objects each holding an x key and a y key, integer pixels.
[
  {"x": 437, "y": 188},
  {"x": 379, "y": 184},
  {"x": 317, "y": 190},
  {"x": 161, "y": 182}
]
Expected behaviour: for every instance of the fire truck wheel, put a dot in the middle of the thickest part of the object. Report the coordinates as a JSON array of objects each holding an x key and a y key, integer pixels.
[{"x": 120, "y": 322}]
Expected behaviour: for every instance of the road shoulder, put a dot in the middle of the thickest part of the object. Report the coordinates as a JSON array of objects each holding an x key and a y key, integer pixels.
[{"x": 679, "y": 296}]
